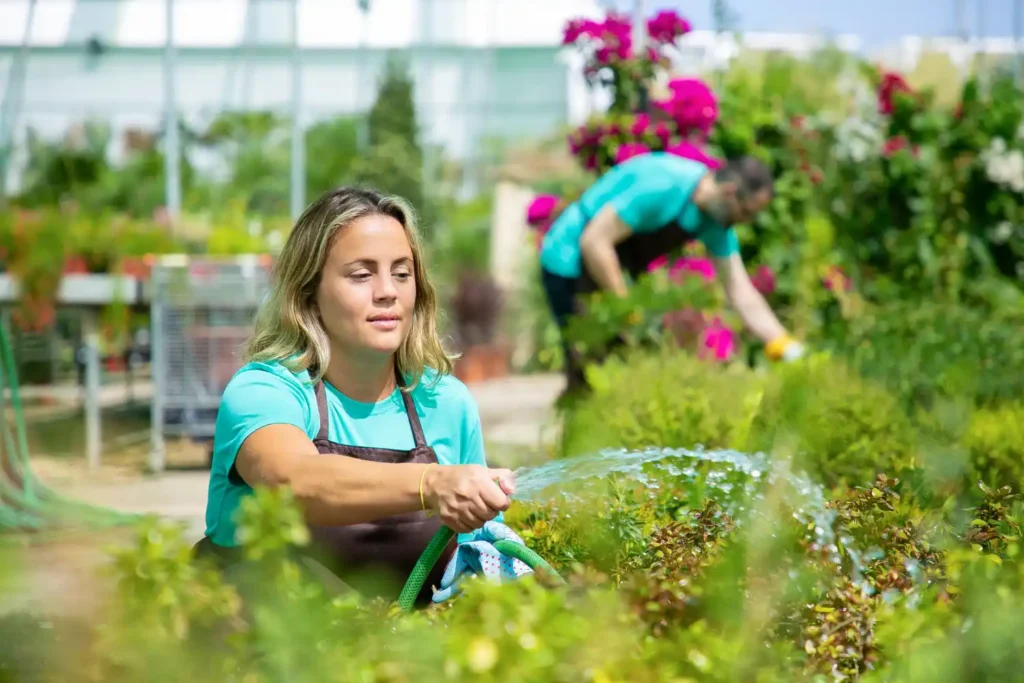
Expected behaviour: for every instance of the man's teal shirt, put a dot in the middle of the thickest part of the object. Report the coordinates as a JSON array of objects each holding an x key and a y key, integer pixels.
[{"x": 648, "y": 192}]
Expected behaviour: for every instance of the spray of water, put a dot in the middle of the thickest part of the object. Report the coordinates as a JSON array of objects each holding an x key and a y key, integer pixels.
[{"x": 735, "y": 479}]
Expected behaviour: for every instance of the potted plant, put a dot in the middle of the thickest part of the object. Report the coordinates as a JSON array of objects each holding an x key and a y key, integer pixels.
[{"x": 477, "y": 307}]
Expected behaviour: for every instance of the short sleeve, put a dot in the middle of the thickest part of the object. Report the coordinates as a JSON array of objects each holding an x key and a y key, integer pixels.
[
  {"x": 720, "y": 242},
  {"x": 648, "y": 205},
  {"x": 253, "y": 399}
]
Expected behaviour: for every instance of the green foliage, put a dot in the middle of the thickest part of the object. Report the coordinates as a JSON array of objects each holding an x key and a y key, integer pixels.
[
  {"x": 667, "y": 400},
  {"x": 995, "y": 441},
  {"x": 840, "y": 426}
]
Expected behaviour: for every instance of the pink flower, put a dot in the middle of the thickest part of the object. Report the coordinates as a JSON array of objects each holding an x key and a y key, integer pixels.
[
  {"x": 763, "y": 280},
  {"x": 540, "y": 209},
  {"x": 666, "y": 26},
  {"x": 580, "y": 28},
  {"x": 701, "y": 267},
  {"x": 657, "y": 264},
  {"x": 692, "y": 105},
  {"x": 662, "y": 130},
  {"x": 641, "y": 122},
  {"x": 688, "y": 150},
  {"x": 603, "y": 55},
  {"x": 717, "y": 341},
  {"x": 629, "y": 150}
]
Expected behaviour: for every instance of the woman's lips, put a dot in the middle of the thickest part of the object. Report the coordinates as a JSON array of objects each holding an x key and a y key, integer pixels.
[{"x": 385, "y": 323}]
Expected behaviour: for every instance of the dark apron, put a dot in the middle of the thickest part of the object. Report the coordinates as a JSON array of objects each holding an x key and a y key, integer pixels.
[
  {"x": 373, "y": 558},
  {"x": 565, "y": 295}
]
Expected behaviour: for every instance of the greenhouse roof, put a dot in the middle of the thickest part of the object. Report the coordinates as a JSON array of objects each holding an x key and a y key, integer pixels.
[{"x": 337, "y": 24}]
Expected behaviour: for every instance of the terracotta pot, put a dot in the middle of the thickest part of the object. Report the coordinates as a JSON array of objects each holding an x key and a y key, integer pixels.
[
  {"x": 75, "y": 265},
  {"x": 133, "y": 266},
  {"x": 482, "y": 362}
]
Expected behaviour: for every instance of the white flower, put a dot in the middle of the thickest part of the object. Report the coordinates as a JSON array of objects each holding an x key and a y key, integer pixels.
[
  {"x": 1001, "y": 233},
  {"x": 1004, "y": 167},
  {"x": 857, "y": 139}
]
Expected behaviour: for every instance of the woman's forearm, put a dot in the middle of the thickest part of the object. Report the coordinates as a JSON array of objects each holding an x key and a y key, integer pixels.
[{"x": 339, "y": 490}]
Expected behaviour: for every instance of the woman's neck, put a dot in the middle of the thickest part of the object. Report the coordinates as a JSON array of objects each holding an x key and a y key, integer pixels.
[{"x": 362, "y": 379}]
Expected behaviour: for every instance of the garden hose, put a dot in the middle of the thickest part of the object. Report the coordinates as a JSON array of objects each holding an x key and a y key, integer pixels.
[
  {"x": 440, "y": 541},
  {"x": 25, "y": 502}
]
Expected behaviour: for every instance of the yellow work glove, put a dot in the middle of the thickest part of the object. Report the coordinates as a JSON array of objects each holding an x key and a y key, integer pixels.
[{"x": 783, "y": 348}]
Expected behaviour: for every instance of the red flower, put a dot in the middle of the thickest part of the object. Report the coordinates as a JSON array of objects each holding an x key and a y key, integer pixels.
[
  {"x": 763, "y": 280},
  {"x": 891, "y": 84},
  {"x": 898, "y": 144}
]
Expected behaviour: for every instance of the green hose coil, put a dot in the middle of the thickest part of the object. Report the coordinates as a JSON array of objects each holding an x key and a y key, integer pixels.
[
  {"x": 440, "y": 541},
  {"x": 419, "y": 574}
]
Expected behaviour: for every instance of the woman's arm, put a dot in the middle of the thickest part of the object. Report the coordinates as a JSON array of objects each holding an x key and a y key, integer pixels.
[{"x": 339, "y": 490}]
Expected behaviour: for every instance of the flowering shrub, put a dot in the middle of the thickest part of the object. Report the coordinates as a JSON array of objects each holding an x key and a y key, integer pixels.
[{"x": 634, "y": 125}]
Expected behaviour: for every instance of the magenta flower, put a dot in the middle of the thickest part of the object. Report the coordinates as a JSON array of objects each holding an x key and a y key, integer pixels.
[
  {"x": 688, "y": 150},
  {"x": 717, "y": 341},
  {"x": 763, "y": 280},
  {"x": 666, "y": 26},
  {"x": 692, "y": 105},
  {"x": 641, "y": 122},
  {"x": 581, "y": 28},
  {"x": 540, "y": 209},
  {"x": 628, "y": 150},
  {"x": 701, "y": 267},
  {"x": 657, "y": 264},
  {"x": 663, "y": 131}
]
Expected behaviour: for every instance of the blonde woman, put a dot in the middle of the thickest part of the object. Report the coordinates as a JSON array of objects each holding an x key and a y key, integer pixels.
[{"x": 347, "y": 397}]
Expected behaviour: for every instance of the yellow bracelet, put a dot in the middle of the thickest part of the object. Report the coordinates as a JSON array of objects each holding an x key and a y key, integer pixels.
[
  {"x": 423, "y": 503},
  {"x": 776, "y": 347}
]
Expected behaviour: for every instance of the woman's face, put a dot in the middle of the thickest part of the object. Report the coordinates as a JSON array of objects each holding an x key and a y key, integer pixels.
[{"x": 368, "y": 289}]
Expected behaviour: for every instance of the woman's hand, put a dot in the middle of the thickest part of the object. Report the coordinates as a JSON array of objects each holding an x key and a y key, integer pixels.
[{"x": 467, "y": 496}]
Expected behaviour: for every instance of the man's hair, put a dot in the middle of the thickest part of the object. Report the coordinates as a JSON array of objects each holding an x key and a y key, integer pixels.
[{"x": 750, "y": 174}]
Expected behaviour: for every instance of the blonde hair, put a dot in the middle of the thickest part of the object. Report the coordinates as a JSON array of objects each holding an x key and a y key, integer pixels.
[{"x": 288, "y": 328}]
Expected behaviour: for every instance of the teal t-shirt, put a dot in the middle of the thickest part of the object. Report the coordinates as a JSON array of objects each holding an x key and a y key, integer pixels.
[
  {"x": 648, "y": 192},
  {"x": 262, "y": 394}
]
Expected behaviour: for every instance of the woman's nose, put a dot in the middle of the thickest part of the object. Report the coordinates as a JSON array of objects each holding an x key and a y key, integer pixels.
[{"x": 385, "y": 288}]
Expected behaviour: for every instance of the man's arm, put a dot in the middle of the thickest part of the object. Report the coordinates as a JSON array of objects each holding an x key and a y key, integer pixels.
[
  {"x": 597, "y": 248},
  {"x": 748, "y": 303}
]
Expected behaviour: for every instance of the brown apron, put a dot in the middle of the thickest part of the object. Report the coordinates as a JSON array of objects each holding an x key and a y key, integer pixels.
[
  {"x": 360, "y": 553},
  {"x": 374, "y": 558}
]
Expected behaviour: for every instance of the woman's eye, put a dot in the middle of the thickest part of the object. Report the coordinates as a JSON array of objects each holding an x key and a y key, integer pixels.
[
  {"x": 403, "y": 276},
  {"x": 361, "y": 276}
]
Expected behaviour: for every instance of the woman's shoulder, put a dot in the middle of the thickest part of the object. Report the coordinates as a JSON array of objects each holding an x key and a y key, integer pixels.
[
  {"x": 444, "y": 390},
  {"x": 269, "y": 374}
]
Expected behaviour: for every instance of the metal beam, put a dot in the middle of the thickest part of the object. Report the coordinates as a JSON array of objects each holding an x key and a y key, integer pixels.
[
  {"x": 14, "y": 93},
  {"x": 172, "y": 142},
  {"x": 298, "y": 151}
]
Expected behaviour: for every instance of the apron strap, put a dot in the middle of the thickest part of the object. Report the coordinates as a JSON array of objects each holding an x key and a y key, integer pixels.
[
  {"x": 321, "y": 406},
  {"x": 410, "y": 408}
]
